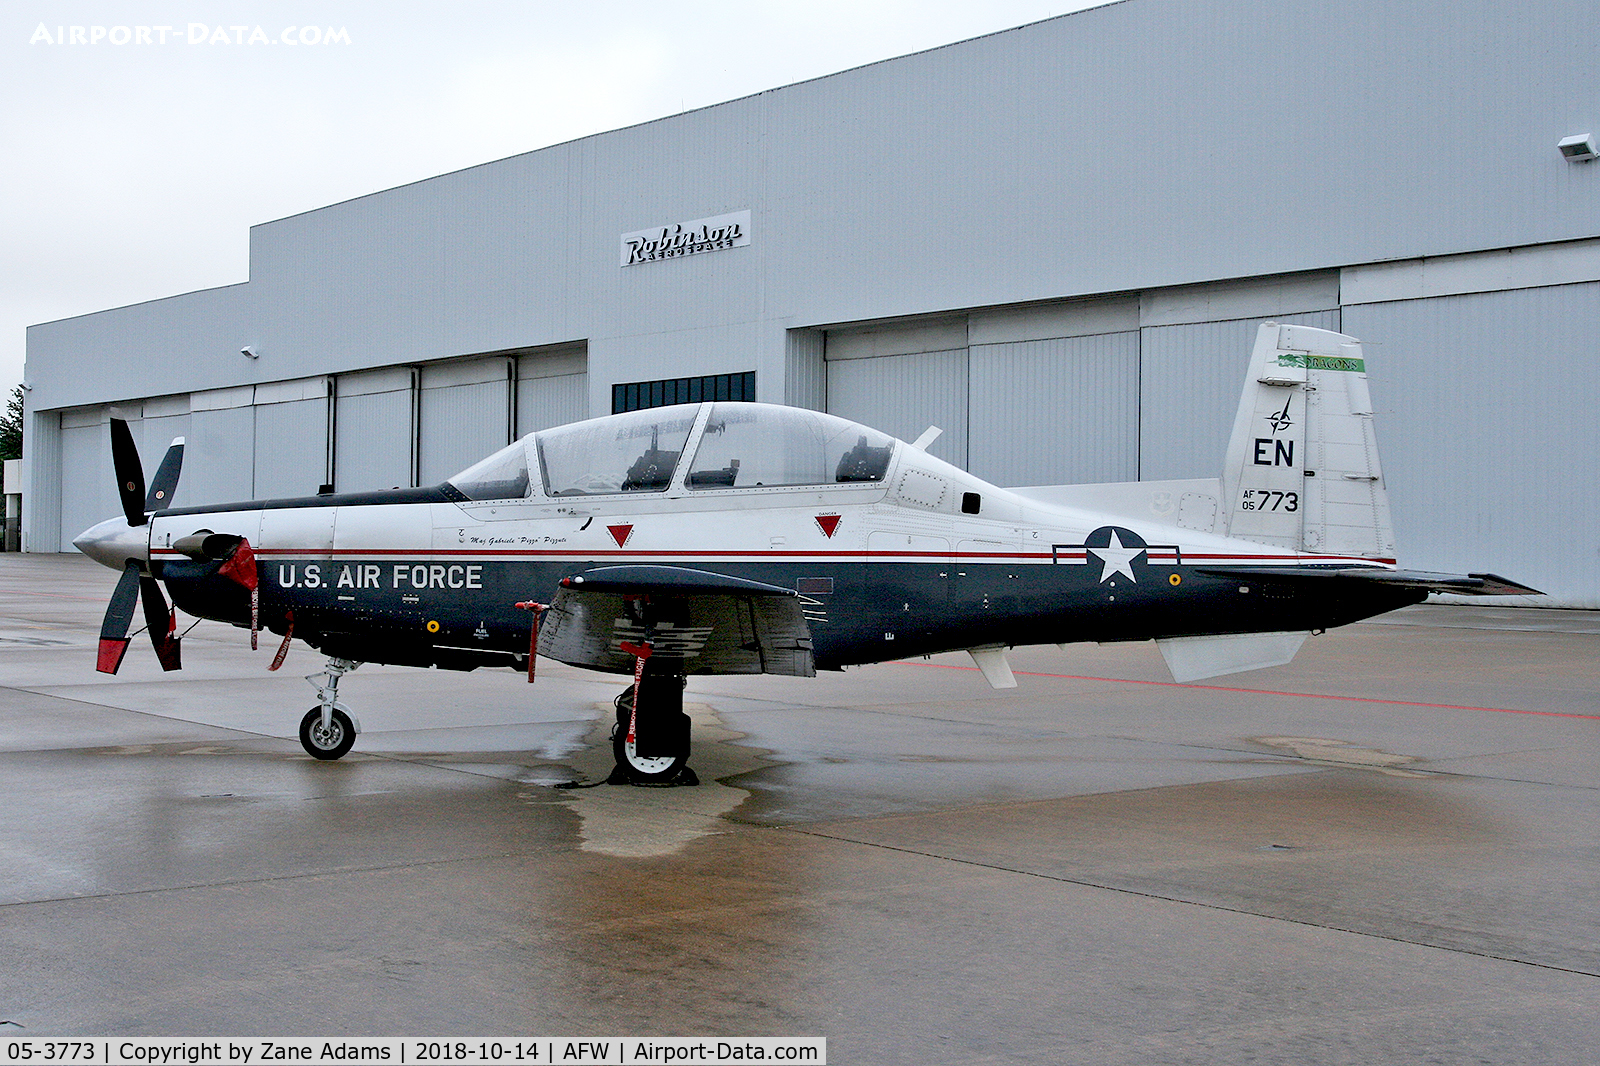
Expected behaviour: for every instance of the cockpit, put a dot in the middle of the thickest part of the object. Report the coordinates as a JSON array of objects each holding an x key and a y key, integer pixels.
[{"x": 738, "y": 446}]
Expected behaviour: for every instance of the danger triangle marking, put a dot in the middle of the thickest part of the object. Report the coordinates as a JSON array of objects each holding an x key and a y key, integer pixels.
[
  {"x": 620, "y": 534},
  {"x": 828, "y": 523}
]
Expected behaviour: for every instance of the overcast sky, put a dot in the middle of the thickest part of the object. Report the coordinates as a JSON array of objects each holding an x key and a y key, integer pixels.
[{"x": 142, "y": 140}]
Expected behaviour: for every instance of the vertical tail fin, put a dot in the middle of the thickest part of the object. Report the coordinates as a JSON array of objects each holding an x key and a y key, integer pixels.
[{"x": 1302, "y": 465}]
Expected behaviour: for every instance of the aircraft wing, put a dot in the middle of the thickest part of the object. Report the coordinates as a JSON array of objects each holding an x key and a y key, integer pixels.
[
  {"x": 1460, "y": 584},
  {"x": 713, "y": 623}
]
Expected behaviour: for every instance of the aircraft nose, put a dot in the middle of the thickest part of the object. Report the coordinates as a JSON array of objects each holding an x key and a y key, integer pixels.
[{"x": 113, "y": 542}]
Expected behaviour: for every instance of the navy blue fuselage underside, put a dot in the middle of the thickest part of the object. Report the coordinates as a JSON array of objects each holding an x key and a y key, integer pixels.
[{"x": 462, "y": 614}]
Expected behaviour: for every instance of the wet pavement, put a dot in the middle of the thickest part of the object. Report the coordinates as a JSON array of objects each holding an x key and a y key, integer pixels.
[{"x": 1386, "y": 851}]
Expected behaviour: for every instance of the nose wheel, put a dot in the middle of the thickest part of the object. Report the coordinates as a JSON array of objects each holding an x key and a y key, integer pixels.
[
  {"x": 328, "y": 731},
  {"x": 332, "y": 740}
]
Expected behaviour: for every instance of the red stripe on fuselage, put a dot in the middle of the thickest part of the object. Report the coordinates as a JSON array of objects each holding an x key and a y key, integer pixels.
[{"x": 842, "y": 555}]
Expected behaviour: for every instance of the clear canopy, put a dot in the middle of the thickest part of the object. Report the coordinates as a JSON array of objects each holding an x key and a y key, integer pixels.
[
  {"x": 746, "y": 445},
  {"x": 633, "y": 452},
  {"x": 502, "y": 476}
]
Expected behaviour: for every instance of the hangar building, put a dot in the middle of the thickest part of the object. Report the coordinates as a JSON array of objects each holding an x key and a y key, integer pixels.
[{"x": 1055, "y": 242}]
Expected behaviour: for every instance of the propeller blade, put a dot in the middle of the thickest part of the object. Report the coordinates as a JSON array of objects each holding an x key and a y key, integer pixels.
[
  {"x": 162, "y": 623},
  {"x": 165, "y": 483},
  {"x": 119, "y": 616},
  {"x": 130, "y": 475}
]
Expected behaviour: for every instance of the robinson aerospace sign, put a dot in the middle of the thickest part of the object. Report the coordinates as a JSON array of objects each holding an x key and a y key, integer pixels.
[{"x": 686, "y": 238}]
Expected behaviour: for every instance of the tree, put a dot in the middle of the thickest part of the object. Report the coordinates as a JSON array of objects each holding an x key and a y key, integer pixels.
[{"x": 11, "y": 427}]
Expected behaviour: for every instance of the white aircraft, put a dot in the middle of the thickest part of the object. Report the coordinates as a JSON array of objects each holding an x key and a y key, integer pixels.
[{"x": 752, "y": 538}]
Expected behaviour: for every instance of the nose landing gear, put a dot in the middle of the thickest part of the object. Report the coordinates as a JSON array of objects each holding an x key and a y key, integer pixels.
[{"x": 328, "y": 730}]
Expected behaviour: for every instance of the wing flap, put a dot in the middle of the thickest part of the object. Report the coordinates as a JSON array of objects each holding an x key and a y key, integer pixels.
[{"x": 697, "y": 621}]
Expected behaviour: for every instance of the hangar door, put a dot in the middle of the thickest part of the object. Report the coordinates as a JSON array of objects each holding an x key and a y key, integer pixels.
[
  {"x": 1055, "y": 393},
  {"x": 552, "y": 389},
  {"x": 1026, "y": 396},
  {"x": 902, "y": 379},
  {"x": 88, "y": 482},
  {"x": 165, "y": 419},
  {"x": 1062, "y": 411},
  {"x": 88, "y": 487},
  {"x": 1193, "y": 374},
  {"x": 372, "y": 430},
  {"x": 464, "y": 413},
  {"x": 291, "y": 435}
]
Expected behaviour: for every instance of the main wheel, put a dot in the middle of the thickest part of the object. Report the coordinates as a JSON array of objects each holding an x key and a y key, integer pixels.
[
  {"x": 330, "y": 743},
  {"x": 642, "y": 771},
  {"x": 665, "y": 769}
]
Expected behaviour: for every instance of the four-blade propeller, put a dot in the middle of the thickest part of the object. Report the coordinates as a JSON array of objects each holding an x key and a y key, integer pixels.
[{"x": 137, "y": 581}]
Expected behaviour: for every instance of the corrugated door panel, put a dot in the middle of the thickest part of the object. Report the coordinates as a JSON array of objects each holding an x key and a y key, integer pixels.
[
  {"x": 1482, "y": 406},
  {"x": 804, "y": 371},
  {"x": 1056, "y": 412},
  {"x": 1191, "y": 378},
  {"x": 291, "y": 448},
  {"x": 551, "y": 401},
  {"x": 460, "y": 425},
  {"x": 904, "y": 395},
  {"x": 88, "y": 484},
  {"x": 218, "y": 461},
  {"x": 372, "y": 441}
]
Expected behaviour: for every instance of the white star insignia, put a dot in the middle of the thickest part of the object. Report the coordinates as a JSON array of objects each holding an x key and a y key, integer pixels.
[{"x": 1116, "y": 559}]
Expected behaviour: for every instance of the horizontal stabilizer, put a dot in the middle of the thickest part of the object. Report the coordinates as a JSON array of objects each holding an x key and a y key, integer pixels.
[
  {"x": 1460, "y": 584},
  {"x": 1193, "y": 658}
]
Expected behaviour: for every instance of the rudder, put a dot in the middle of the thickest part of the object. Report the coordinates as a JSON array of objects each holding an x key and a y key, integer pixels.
[{"x": 1302, "y": 468}]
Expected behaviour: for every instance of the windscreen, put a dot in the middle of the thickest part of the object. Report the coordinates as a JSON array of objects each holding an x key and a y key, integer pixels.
[{"x": 502, "y": 476}]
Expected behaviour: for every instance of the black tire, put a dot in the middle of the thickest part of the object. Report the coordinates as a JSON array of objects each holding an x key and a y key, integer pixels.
[
  {"x": 640, "y": 771},
  {"x": 335, "y": 742}
]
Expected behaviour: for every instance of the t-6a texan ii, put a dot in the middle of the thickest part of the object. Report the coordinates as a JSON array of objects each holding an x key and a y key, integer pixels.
[{"x": 748, "y": 538}]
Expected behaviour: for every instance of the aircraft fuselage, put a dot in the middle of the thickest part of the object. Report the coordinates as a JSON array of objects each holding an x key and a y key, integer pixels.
[{"x": 435, "y": 582}]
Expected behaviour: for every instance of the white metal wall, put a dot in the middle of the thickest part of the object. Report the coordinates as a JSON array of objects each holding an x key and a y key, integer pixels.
[
  {"x": 1056, "y": 412},
  {"x": 1487, "y": 431},
  {"x": 88, "y": 485},
  {"x": 373, "y": 433},
  {"x": 904, "y": 395},
  {"x": 1190, "y": 384},
  {"x": 465, "y": 411},
  {"x": 552, "y": 390}
]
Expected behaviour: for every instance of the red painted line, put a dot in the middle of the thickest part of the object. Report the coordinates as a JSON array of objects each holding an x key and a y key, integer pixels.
[
  {"x": 634, "y": 553},
  {"x": 1270, "y": 692}
]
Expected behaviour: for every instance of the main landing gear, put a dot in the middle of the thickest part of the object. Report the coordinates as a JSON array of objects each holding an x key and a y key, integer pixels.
[
  {"x": 652, "y": 746},
  {"x": 329, "y": 729}
]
